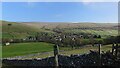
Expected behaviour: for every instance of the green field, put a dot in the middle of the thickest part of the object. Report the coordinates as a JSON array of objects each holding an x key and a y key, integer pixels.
[
  {"x": 0, "y": 51},
  {"x": 18, "y": 49},
  {"x": 103, "y": 32},
  {"x": 82, "y": 50},
  {"x": 86, "y": 49},
  {"x": 68, "y": 51}
]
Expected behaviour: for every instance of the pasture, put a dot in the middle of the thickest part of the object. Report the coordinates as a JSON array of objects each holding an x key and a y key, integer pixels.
[
  {"x": 24, "y": 49},
  {"x": 82, "y": 50},
  {"x": 18, "y": 49}
]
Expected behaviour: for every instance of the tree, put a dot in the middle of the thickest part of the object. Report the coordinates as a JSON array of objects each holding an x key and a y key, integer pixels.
[
  {"x": 9, "y": 24},
  {"x": 99, "y": 36},
  {"x": 95, "y": 36}
]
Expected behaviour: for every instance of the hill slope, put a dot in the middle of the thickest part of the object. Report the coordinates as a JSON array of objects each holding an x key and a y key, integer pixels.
[
  {"x": 103, "y": 29},
  {"x": 21, "y": 30},
  {"x": 51, "y": 25},
  {"x": 17, "y": 30}
]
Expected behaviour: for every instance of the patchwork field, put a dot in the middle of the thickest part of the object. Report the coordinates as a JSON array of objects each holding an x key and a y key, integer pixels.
[
  {"x": 26, "y": 48},
  {"x": 21, "y": 49},
  {"x": 22, "y": 30}
]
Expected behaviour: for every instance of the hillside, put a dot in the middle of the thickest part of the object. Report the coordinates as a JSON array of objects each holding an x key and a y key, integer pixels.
[
  {"x": 17, "y": 30},
  {"x": 21, "y": 30},
  {"x": 51, "y": 25},
  {"x": 104, "y": 29}
]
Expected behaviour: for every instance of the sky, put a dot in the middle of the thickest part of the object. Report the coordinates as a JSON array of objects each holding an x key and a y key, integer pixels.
[{"x": 99, "y": 12}]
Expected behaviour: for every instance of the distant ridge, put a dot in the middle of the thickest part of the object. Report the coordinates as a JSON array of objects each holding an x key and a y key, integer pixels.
[{"x": 24, "y": 29}]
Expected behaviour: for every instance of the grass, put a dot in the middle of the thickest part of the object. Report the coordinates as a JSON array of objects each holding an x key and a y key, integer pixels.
[
  {"x": 18, "y": 49},
  {"x": 81, "y": 50},
  {"x": 24, "y": 30},
  {"x": 18, "y": 30},
  {"x": 86, "y": 50},
  {"x": 103, "y": 32},
  {"x": 0, "y": 51}
]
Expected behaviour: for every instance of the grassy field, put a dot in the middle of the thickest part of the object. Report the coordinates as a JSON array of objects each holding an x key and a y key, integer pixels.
[
  {"x": 19, "y": 49},
  {"x": 26, "y": 48},
  {"x": 0, "y": 51},
  {"x": 103, "y": 32},
  {"x": 82, "y": 50},
  {"x": 86, "y": 49}
]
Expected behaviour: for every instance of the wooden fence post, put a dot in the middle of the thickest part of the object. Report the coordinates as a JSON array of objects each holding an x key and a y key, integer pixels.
[
  {"x": 99, "y": 54},
  {"x": 99, "y": 48},
  {"x": 113, "y": 48},
  {"x": 56, "y": 52},
  {"x": 116, "y": 50}
]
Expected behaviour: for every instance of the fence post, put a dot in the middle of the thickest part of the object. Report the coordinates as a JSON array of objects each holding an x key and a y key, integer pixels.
[
  {"x": 116, "y": 50},
  {"x": 99, "y": 54},
  {"x": 56, "y": 52},
  {"x": 113, "y": 48},
  {"x": 99, "y": 48}
]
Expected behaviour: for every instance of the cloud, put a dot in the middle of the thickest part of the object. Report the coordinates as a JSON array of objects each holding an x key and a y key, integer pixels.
[
  {"x": 99, "y": 0},
  {"x": 75, "y": 22},
  {"x": 87, "y": 2},
  {"x": 31, "y": 3}
]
